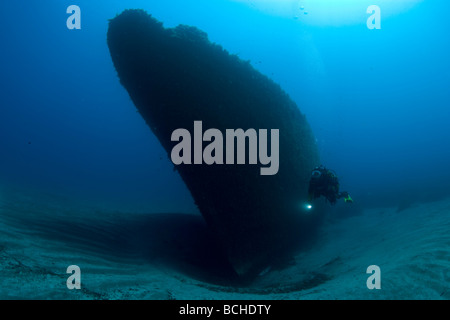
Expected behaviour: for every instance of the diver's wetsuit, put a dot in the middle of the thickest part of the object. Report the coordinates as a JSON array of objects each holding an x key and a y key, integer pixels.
[{"x": 325, "y": 183}]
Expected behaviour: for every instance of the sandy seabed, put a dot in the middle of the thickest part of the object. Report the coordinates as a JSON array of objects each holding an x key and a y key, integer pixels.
[{"x": 41, "y": 235}]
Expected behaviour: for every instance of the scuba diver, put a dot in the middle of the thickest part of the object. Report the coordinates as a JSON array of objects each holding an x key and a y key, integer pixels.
[{"x": 325, "y": 183}]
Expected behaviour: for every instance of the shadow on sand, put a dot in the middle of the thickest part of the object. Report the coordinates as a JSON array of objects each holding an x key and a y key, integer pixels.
[{"x": 181, "y": 242}]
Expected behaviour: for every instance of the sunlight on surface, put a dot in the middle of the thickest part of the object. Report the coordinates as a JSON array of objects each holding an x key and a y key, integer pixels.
[{"x": 329, "y": 12}]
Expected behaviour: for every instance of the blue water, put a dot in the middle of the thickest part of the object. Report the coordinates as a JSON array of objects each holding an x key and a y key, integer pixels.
[{"x": 377, "y": 100}]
